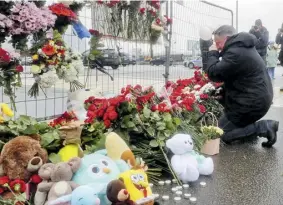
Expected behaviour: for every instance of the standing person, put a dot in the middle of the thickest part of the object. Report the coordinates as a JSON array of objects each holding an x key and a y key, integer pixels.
[
  {"x": 262, "y": 36},
  {"x": 279, "y": 41},
  {"x": 271, "y": 59},
  {"x": 248, "y": 91}
]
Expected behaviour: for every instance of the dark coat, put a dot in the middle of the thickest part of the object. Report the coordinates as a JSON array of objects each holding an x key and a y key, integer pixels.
[
  {"x": 248, "y": 90},
  {"x": 262, "y": 37}
]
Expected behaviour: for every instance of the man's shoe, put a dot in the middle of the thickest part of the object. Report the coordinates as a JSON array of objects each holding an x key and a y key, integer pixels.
[{"x": 271, "y": 134}]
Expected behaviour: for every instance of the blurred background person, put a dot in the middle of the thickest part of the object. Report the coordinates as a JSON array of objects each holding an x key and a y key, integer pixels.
[
  {"x": 279, "y": 41},
  {"x": 262, "y": 36},
  {"x": 271, "y": 59}
]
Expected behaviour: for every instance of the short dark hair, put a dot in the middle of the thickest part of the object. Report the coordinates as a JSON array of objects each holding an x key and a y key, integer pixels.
[
  {"x": 258, "y": 22},
  {"x": 225, "y": 30}
]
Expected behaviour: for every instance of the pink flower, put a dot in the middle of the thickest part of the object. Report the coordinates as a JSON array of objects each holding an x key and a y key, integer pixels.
[
  {"x": 28, "y": 25},
  {"x": 24, "y": 13},
  {"x": 2, "y": 24},
  {"x": 15, "y": 9},
  {"x": 32, "y": 19}
]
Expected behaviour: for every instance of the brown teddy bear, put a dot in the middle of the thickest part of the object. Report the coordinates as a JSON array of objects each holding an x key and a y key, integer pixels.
[
  {"x": 22, "y": 156},
  {"x": 59, "y": 184},
  {"x": 117, "y": 193}
]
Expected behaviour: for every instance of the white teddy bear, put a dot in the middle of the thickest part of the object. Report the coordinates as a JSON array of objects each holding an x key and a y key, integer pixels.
[{"x": 187, "y": 163}]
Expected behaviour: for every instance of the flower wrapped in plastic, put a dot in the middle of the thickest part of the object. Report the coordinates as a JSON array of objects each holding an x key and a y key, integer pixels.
[{"x": 28, "y": 19}]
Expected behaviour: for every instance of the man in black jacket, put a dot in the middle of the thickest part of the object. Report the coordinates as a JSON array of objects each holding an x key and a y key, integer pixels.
[
  {"x": 279, "y": 41},
  {"x": 248, "y": 90},
  {"x": 262, "y": 36}
]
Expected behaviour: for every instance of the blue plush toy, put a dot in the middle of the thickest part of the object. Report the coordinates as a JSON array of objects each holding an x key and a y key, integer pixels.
[
  {"x": 83, "y": 195},
  {"x": 97, "y": 170}
]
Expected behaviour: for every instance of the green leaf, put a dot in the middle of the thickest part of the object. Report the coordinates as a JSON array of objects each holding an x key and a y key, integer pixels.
[
  {"x": 151, "y": 131},
  {"x": 162, "y": 143},
  {"x": 54, "y": 158},
  {"x": 130, "y": 124},
  {"x": 146, "y": 112},
  {"x": 177, "y": 121},
  {"x": 167, "y": 117},
  {"x": 153, "y": 143},
  {"x": 46, "y": 139},
  {"x": 155, "y": 116}
]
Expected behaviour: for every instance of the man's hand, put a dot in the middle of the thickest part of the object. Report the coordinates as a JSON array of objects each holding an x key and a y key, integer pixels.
[{"x": 213, "y": 47}]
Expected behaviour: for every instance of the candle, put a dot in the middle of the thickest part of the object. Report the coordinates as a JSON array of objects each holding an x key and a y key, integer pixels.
[
  {"x": 177, "y": 199},
  {"x": 174, "y": 181},
  {"x": 161, "y": 183},
  {"x": 179, "y": 187},
  {"x": 151, "y": 185},
  {"x": 203, "y": 184},
  {"x": 186, "y": 186},
  {"x": 187, "y": 195},
  {"x": 193, "y": 199},
  {"x": 174, "y": 190},
  {"x": 179, "y": 193},
  {"x": 165, "y": 198},
  {"x": 168, "y": 182},
  {"x": 156, "y": 196}
]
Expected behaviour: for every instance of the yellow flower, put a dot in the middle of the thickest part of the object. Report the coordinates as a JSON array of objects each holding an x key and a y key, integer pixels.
[
  {"x": 6, "y": 110},
  {"x": 51, "y": 43},
  {"x": 35, "y": 69},
  {"x": 35, "y": 57}
]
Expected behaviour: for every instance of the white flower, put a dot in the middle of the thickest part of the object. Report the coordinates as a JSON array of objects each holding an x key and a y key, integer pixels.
[
  {"x": 207, "y": 88},
  {"x": 70, "y": 74},
  {"x": 186, "y": 90},
  {"x": 48, "y": 79},
  {"x": 197, "y": 87}
]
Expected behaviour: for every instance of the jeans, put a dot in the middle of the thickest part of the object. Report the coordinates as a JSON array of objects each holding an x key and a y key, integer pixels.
[
  {"x": 233, "y": 132},
  {"x": 270, "y": 71}
]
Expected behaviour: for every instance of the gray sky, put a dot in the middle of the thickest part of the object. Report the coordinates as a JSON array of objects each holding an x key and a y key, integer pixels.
[{"x": 269, "y": 11}]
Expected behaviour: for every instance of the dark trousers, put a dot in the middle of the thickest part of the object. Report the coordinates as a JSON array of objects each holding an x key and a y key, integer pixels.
[{"x": 233, "y": 132}]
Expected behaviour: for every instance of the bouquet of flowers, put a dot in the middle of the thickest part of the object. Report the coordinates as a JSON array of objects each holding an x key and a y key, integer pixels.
[
  {"x": 10, "y": 70},
  {"x": 28, "y": 19},
  {"x": 211, "y": 132},
  {"x": 64, "y": 14},
  {"x": 53, "y": 61}
]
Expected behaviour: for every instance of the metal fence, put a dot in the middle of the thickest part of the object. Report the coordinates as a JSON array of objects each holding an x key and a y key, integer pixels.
[{"x": 188, "y": 17}]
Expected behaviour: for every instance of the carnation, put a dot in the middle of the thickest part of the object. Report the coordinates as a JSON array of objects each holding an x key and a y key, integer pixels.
[{"x": 48, "y": 79}]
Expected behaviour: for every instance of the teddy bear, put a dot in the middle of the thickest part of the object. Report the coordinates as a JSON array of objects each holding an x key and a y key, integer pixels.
[
  {"x": 117, "y": 193},
  {"x": 187, "y": 163},
  {"x": 59, "y": 184},
  {"x": 83, "y": 195},
  {"x": 21, "y": 157}
]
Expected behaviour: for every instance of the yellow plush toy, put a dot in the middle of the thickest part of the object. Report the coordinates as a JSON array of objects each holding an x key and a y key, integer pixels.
[
  {"x": 70, "y": 151},
  {"x": 5, "y": 111},
  {"x": 136, "y": 183}
]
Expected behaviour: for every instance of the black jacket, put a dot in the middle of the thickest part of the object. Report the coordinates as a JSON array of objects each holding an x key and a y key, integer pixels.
[
  {"x": 279, "y": 40},
  {"x": 248, "y": 89},
  {"x": 262, "y": 37}
]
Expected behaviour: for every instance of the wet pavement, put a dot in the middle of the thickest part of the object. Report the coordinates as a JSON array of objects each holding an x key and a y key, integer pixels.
[{"x": 245, "y": 174}]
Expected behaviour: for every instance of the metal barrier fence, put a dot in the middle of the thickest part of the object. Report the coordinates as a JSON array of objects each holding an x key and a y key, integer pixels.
[{"x": 188, "y": 17}]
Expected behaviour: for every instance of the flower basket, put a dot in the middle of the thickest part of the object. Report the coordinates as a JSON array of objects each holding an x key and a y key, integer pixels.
[
  {"x": 212, "y": 134},
  {"x": 211, "y": 147}
]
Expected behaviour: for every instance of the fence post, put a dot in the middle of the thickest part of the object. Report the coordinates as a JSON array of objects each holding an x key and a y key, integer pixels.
[{"x": 168, "y": 47}]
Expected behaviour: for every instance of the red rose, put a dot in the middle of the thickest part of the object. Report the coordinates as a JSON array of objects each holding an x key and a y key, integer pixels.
[
  {"x": 158, "y": 21},
  {"x": 142, "y": 10},
  {"x": 36, "y": 179},
  {"x": 94, "y": 32},
  {"x": 138, "y": 87},
  {"x": 113, "y": 115},
  {"x": 203, "y": 96},
  {"x": 89, "y": 120},
  {"x": 154, "y": 108},
  {"x": 105, "y": 116},
  {"x": 90, "y": 114},
  {"x": 18, "y": 186},
  {"x": 100, "y": 1},
  {"x": 92, "y": 107},
  {"x": 100, "y": 113},
  {"x": 4, "y": 180},
  {"x": 107, "y": 123},
  {"x": 4, "y": 56},
  {"x": 202, "y": 109},
  {"x": 19, "y": 68},
  {"x": 1, "y": 190}
]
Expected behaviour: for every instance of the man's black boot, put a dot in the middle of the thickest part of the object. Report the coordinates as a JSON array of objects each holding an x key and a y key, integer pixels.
[{"x": 271, "y": 133}]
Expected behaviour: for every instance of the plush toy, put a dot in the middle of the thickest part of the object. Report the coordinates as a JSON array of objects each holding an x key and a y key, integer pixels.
[
  {"x": 5, "y": 112},
  {"x": 118, "y": 194},
  {"x": 71, "y": 133},
  {"x": 83, "y": 195},
  {"x": 136, "y": 183},
  {"x": 97, "y": 170},
  {"x": 60, "y": 176},
  {"x": 118, "y": 149},
  {"x": 187, "y": 163},
  {"x": 21, "y": 157}
]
